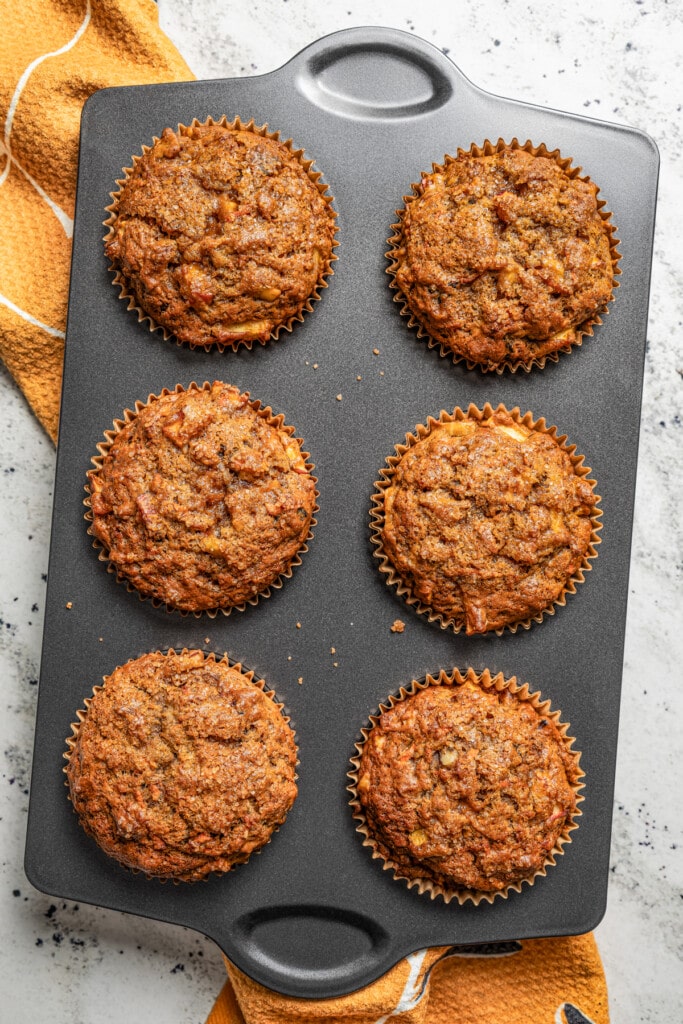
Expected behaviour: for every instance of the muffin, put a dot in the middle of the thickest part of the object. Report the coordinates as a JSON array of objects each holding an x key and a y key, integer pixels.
[
  {"x": 181, "y": 765},
  {"x": 201, "y": 499},
  {"x": 467, "y": 786},
  {"x": 504, "y": 256},
  {"x": 220, "y": 234},
  {"x": 485, "y": 520}
]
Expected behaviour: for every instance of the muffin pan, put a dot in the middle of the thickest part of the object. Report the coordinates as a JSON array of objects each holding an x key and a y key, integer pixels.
[{"x": 313, "y": 914}]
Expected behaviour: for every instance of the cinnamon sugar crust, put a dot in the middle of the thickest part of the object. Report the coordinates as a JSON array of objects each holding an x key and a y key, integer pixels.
[
  {"x": 486, "y": 521},
  {"x": 220, "y": 234},
  {"x": 201, "y": 502},
  {"x": 181, "y": 766},
  {"x": 504, "y": 258},
  {"x": 467, "y": 786}
]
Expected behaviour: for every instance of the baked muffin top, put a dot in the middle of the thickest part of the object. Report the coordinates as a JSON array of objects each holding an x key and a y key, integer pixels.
[
  {"x": 181, "y": 766},
  {"x": 201, "y": 501},
  {"x": 486, "y": 521},
  {"x": 467, "y": 786},
  {"x": 220, "y": 234},
  {"x": 503, "y": 258}
]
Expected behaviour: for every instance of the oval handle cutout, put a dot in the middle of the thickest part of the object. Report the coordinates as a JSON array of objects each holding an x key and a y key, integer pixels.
[
  {"x": 320, "y": 942},
  {"x": 374, "y": 80}
]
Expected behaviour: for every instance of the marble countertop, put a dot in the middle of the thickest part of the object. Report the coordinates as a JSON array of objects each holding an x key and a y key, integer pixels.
[{"x": 620, "y": 61}]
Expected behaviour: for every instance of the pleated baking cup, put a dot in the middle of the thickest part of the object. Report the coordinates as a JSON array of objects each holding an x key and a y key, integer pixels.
[
  {"x": 300, "y": 457},
  {"x": 459, "y": 422},
  {"x": 233, "y": 334},
  {"x": 417, "y": 876},
  {"x": 130, "y": 814},
  {"x": 554, "y": 345}
]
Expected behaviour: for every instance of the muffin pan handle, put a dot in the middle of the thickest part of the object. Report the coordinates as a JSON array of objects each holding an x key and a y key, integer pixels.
[
  {"x": 312, "y": 947},
  {"x": 314, "y": 915},
  {"x": 374, "y": 75}
]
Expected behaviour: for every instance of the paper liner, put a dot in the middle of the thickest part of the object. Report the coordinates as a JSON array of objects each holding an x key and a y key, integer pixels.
[
  {"x": 575, "y": 335},
  {"x": 266, "y": 413},
  {"x": 486, "y": 681},
  {"x": 326, "y": 270},
  {"x": 249, "y": 676},
  {"x": 393, "y": 577}
]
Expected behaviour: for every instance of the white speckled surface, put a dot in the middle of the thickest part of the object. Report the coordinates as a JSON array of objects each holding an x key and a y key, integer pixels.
[{"x": 619, "y": 61}]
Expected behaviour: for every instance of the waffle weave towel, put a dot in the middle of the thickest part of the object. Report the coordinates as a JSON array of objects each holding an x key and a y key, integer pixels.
[
  {"x": 544, "y": 981},
  {"x": 53, "y": 55}
]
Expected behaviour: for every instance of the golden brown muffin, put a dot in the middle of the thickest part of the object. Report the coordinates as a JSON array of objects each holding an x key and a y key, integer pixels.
[
  {"x": 467, "y": 786},
  {"x": 503, "y": 257},
  {"x": 202, "y": 500},
  {"x": 220, "y": 234},
  {"x": 485, "y": 520},
  {"x": 181, "y": 765}
]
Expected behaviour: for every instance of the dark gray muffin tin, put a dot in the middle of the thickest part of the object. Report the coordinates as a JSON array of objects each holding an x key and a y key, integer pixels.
[{"x": 313, "y": 914}]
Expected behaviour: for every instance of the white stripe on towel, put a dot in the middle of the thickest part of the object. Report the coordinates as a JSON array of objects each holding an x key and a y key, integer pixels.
[
  {"x": 31, "y": 319},
  {"x": 63, "y": 218},
  {"x": 412, "y": 991}
]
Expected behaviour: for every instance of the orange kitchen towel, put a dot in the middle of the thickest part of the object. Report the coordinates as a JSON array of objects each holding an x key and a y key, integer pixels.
[
  {"x": 53, "y": 55},
  {"x": 541, "y": 981}
]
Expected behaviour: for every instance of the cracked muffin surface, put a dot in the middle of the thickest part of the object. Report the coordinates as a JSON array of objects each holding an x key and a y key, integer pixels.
[
  {"x": 220, "y": 234},
  {"x": 201, "y": 501},
  {"x": 504, "y": 258},
  {"x": 181, "y": 766},
  {"x": 486, "y": 521},
  {"x": 466, "y": 786}
]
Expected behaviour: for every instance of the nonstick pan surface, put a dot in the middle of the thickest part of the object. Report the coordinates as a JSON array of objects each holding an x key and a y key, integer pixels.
[{"x": 313, "y": 914}]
